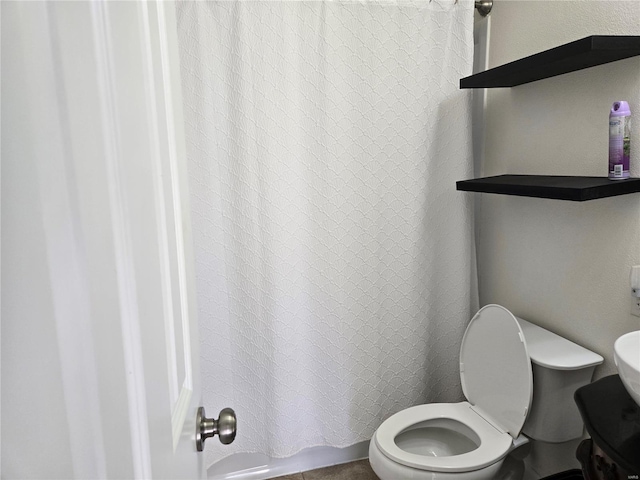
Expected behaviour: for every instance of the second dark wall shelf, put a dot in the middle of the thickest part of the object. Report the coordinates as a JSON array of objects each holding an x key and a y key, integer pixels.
[
  {"x": 578, "y": 55},
  {"x": 556, "y": 187}
]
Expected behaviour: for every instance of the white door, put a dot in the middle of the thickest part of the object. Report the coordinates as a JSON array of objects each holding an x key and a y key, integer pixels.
[{"x": 100, "y": 374}]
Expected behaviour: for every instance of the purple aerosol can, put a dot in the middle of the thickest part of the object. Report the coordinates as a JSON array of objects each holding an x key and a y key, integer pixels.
[{"x": 619, "y": 141}]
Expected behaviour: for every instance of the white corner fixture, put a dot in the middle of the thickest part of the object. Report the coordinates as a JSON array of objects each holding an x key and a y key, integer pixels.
[{"x": 626, "y": 354}]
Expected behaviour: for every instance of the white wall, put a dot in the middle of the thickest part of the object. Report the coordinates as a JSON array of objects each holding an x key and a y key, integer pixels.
[{"x": 564, "y": 265}]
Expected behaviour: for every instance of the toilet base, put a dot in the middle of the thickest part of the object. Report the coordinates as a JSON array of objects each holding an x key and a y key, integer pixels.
[{"x": 387, "y": 469}]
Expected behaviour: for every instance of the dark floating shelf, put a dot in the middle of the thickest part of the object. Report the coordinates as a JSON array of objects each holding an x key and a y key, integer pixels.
[
  {"x": 577, "y": 189},
  {"x": 584, "y": 53},
  {"x": 578, "y": 55}
]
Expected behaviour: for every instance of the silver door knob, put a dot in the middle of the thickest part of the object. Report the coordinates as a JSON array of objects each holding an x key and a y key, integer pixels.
[{"x": 224, "y": 427}]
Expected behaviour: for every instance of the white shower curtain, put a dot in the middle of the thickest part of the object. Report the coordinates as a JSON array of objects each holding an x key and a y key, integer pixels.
[{"x": 334, "y": 255}]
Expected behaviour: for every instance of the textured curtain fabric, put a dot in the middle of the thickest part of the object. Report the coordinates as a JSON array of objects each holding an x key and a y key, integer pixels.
[{"x": 334, "y": 255}]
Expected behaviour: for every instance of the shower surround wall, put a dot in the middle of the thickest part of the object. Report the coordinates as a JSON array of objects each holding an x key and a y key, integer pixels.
[
  {"x": 334, "y": 256},
  {"x": 562, "y": 264}
]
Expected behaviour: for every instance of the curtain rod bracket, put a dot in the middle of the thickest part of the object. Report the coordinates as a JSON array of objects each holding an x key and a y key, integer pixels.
[{"x": 484, "y": 7}]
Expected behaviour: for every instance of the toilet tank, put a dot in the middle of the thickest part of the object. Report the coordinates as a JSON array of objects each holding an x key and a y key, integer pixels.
[{"x": 560, "y": 367}]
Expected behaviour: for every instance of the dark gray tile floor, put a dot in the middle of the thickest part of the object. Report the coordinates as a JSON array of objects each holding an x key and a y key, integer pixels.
[{"x": 360, "y": 470}]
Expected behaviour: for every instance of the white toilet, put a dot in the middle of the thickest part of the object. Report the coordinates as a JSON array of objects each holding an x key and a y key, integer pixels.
[{"x": 500, "y": 358}]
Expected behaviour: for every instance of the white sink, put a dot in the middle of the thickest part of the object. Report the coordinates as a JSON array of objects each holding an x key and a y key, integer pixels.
[{"x": 626, "y": 353}]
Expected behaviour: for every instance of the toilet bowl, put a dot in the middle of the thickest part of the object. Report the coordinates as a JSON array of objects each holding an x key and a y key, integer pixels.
[
  {"x": 427, "y": 437},
  {"x": 470, "y": 440}
]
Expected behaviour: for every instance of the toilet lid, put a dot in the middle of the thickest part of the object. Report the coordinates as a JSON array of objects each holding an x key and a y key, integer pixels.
[{"x": 495, "y": 369}]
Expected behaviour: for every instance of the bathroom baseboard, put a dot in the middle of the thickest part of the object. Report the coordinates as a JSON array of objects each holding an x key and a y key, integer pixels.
[{"x": 255, "y": 466}]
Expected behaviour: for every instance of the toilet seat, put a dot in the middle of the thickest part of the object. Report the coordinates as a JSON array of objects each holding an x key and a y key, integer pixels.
[
  {"x": 494, "y": 444},
  {"x": 497, "y": 380},
  {"x": 495, "y": 368}
]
